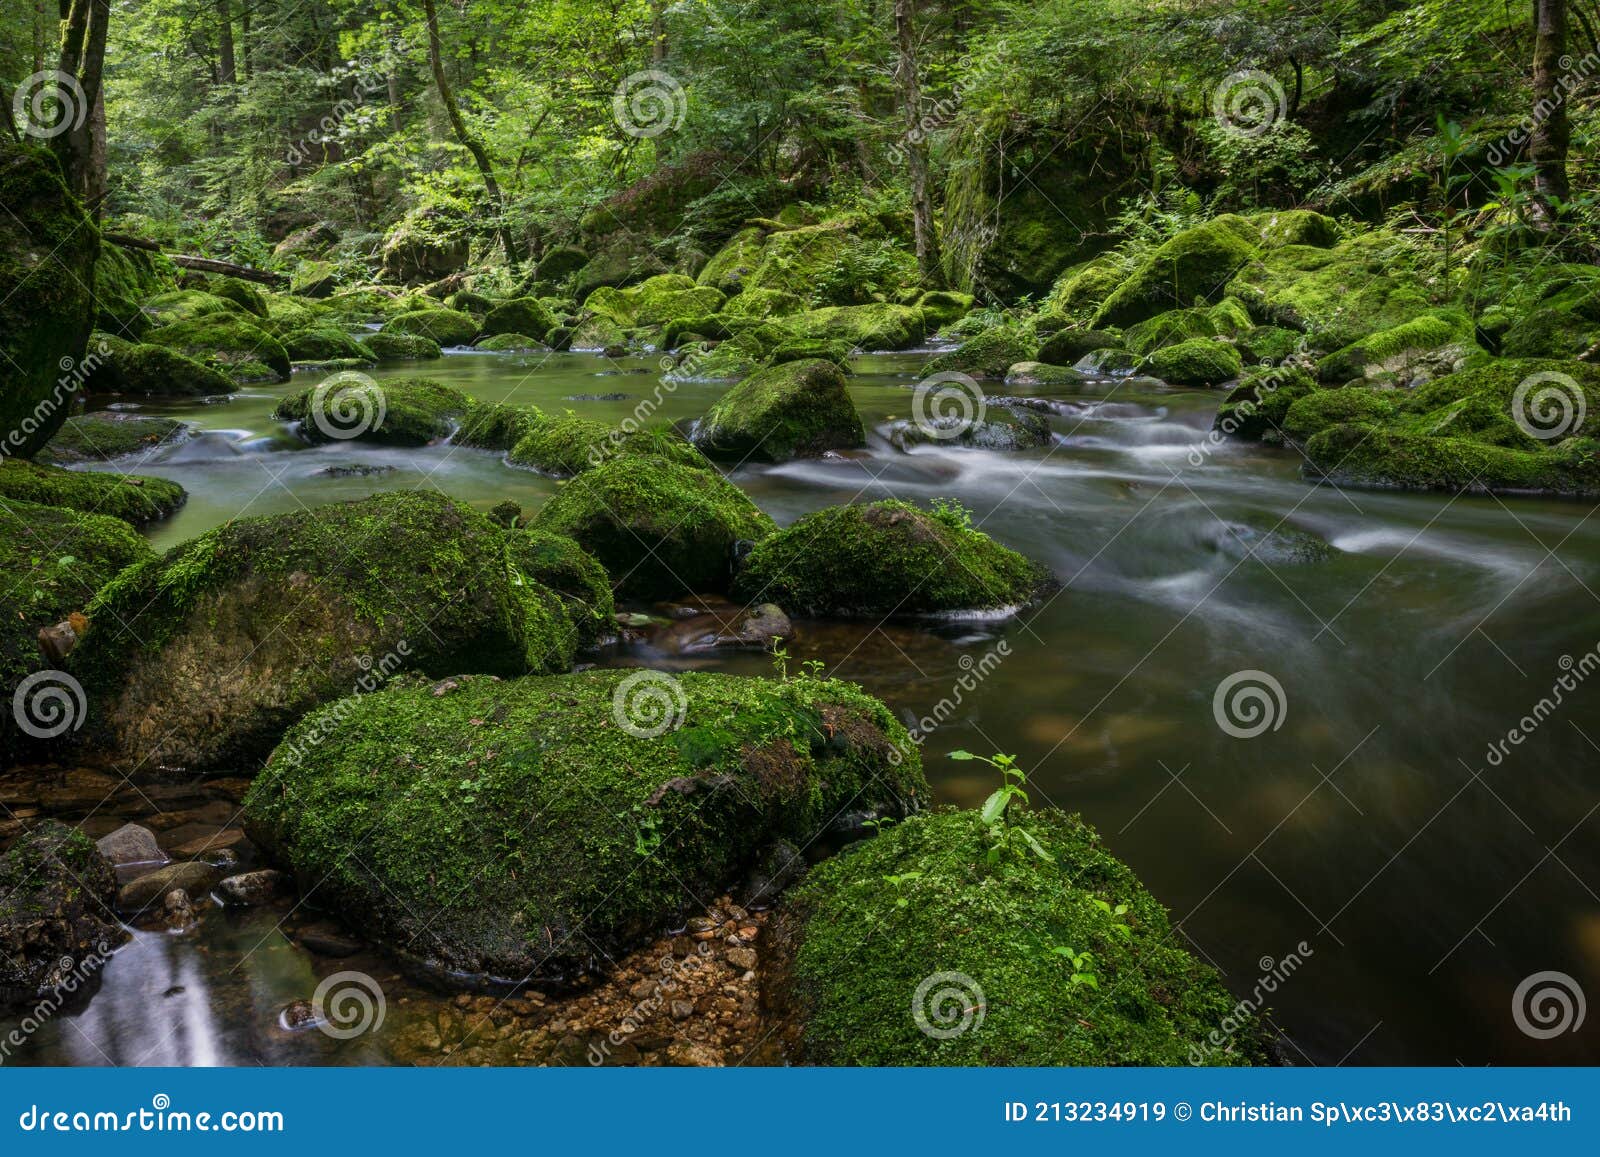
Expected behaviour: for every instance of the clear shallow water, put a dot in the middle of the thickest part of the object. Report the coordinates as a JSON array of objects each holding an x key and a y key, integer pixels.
[{"x": 1425, "y": 881}]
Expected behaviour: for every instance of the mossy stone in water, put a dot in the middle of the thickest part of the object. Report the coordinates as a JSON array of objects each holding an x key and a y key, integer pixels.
[
  {"x": 446, "y": 327},
  {"x": 394, "y": 411},
  {"x": 865, "y": 327},
  {"x": 199, "y": 659},
  {"x": 537, "y": 827},
  {"x": 511, "y": 343},
  {"x": 1317, "y": 411},
  {"x": 576, "y": 577},
  {"x": 1255, "y": 409},
  {"x": 988, "y": 355},
  {"x": 104, "y": 436},
  {"x": 1040, "y": 374},
  {"x": 228, "y": 343},
  {"x": 956, "y": 937},
  {"x": 401, "y": 346},
  {"x": 886, "y": 558},
  {"x": 520, "y": 315},
  {"x": 1398, "y": 349},
  {"x": 565, "y": 444},
  {"x": 1170, "y": 328},
  {"x": 1194, "y": 266},
  {"x": 733, "y": 264},
  {"x": 1065, "y": 346},
  {"x": 1196, "y": 362},
  {"x": 124, "y": 367},
  {"x": 131, "y": 497},
  {"x": 325, "y": 344},
  {"x": 763, "y": 304},
  {"x": 796, "y": 409},
  {"x": 659, "y": 528}
]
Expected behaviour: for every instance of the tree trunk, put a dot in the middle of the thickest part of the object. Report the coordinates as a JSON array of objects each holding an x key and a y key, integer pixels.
[
  {"x": 916, "y": 146},
  {"x": 458, "y": 123},
  {"x": 39, "y": 35},
  {"x": 81, "y": 149},
  {"x": 227, "y": 69},
  {"x": 1548, "y": 147}
]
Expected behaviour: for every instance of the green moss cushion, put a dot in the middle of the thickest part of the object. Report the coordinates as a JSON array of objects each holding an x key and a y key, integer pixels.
[
  {"x": 325, "y": 344},
  {"x": 228, "y": 343},
  {"x": 1195, "y": 265},
  {"x": 794, "y": 409},
  {"x": 133, "y": 498},
  {"x": 1196, "y": 362},
  {"x": 572, "y": 573},
  {"x": 866, "y": 327},
  {"x": 122, "y": 367},
  {"x": 536, "y": 827},
  {"x": 401, "y": 346},
  {"x": 885, "y": 558},
  {"x": 104, "y": 436},
  {"x": 394, "y": 411},
  {"x": 200, "y": 659},
  {"x": 446, "y": 327},
  {"x": 521, "y": 315},
  {"x": 915, "y": 950},
  {"x": 659, "y": 528},
  {"x": 988, "y": 355}
]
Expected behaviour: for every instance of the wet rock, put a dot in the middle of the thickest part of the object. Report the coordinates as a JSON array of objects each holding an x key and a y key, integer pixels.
[
  {"x": 327, "y": 940},
  {"x": 209, "y": 847},
  {"x": 55, "y": 913},
  {"x": 780, "y": 865},
  {"x": 692, "y": 1054},
  {"x": 131, "y": 844},
  {"x": 196, "y": 879},
  {"x": 297, "y": 1016},
  {"x": 742, "y": 958},
  {"x": 356, "y": 470},
  {"x": 177, "y": 911},
  {"x": 249, "y": 889}
]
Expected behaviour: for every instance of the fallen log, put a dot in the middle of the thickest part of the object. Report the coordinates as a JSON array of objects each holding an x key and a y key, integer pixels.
[{"x": 203, "y": 264}]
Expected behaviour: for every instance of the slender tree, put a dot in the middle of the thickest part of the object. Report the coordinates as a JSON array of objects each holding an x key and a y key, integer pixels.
[
  {"x": 81, "y": 149},
  {"x": 909, "y": 91},
  {"x": 1551, "y": 133}
]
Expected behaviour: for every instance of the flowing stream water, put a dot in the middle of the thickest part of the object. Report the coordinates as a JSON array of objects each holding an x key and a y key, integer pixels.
[{"x": 1371, "y": 850}]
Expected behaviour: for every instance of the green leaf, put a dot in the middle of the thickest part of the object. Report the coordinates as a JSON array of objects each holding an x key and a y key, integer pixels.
[
  {"x": 962, "y": 755},
  {"x": 995, "y": 806},
  {"x": 1038, "y": 848}
]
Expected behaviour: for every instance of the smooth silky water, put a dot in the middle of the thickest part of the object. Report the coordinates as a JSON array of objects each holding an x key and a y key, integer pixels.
[{"x": 1425, "y": 880}]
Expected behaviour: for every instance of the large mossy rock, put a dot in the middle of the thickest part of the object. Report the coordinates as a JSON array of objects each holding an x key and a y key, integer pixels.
[
  {"x": 1280, "y": 227},
  {"x": 105, "y": 436},
  {"x": 886, "y": 558},
  {"x": 391, "y": 412},
  {"x": 1255, "y": 409},
  {"x": 960, "y": 962},
  {"x": 201, "y": 658},
  {"x": 131, "y": 497},
  {"x": 175, "y": 305},
  {"x": 733, "y": 264},
  {"x": 123, "y": 280},
  {"x": 399, "y": 347},
  {"x": 623, "y": 258},
  {"x": 661, "y": 299},
  {"x": 562, "y": 445},
  {"x": 865, "y": 327},
  {"x": 54, "y": 560},
  {"x": 987, "y": 355},
  {"x": 1066, "y": 346},
  {"x": 1196, "y": 362},
  {"x": 1440, "y": 339},
  {"x": 1194, "y": 266},
  {"x": 796, "y": 409},
  {"x": 57, "y": 923},
  {"x": 325, "y": 343},
  {"x": 229, "y": 343},
  {"x": 574, "y": 575},
  {"x": 446, "y": 327},
  {"x": 47, "y": 309},
  {"x": 425, "y": 245},
  {"x": 520, "y": 315},
  {"x": 537, "y": 827},
  {"x": 659, "y": 528},
  {"x": 123, "y": 367}
]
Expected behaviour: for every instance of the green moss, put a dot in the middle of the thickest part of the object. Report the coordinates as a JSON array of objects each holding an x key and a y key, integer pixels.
[
  {"x": 659, "y": 528},
  {"x": 801, "y": 349},
  {"x": 576, "y": 577},
  {"x": 103, "y": 436},
  {"x": 123, "y": 280},
  {"x": 495, "y": 425},
  {"x": 286, "y": 314},
  {"x": 988, "y": 355},
  {"x": 624, "y": 258},
  {"x": 133, "y": 498},
  {"x": 246, "y": 296},
  {"x": 394, "y": 412},
  {"x": 1281, "y": 227},
  {"x": 187, "y": 304},
  {"x": 1399, "y": 349},
  {"x": 794, "y": 260},
  {"x": 942, "y": 307},
  {"x": 1194, "y": 266},
  {"x": 1065, "y": 346},
  {"x": 763, "y": 303},
  {"x": 401, "y": 346},
  {"x": 512, "y": 343},
  {"x": 866, "y": 327},
  {"x": 1255, "y": 409},
  {"x": 1230, "y": 317},
  {"x": 520, "y": 315},
  {"x": 447, "y": 327},
  {"x": 1268, "y": 343},
  {"x": 1077, "y": 294},
  {"x": 1317, "y": 411},
  {"x": 1170, "y": 328},
  {"x": 515, "y": 829},
  {"x": 885, "y": 558},
  {"x": 919, "y": 901},
  {"x": 1196, "y": 362},
  {"x": 153, "y": 370},
  {"x": 1564, "y": 324},
  {"x": 560, "y": 445},
  {"x": 661, "y": 299},
  {"x": 560, "y": 263},
  {"x": 465, "y": 301},
  {"x": 1002, "y": 427},
  {"x": 731, "y": 265},
  {"x": 202, "y": 658},
  {"x": 325, "y": 344},
  {"x": 796, "y": 409},
  {"x": 1042, "y": 374},
  {"x": 314, "y": 278},
  {"x": 228, "y": 343},
  {"x": 1386, "y": 458}
]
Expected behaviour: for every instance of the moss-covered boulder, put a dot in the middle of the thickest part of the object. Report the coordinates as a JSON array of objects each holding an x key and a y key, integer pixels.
[
  {"x": 1281, "y": 227},
  {"x": 796, "y": 409},
  {"x": 731, "y": 265},
  {"x": 575, "y": 576},
  {"x": 865, "y": 327},
  {"x": 659, "y": 528},
  {"x": 425, "y": 245},
  {"x": 1439, "y": 339},
  {"x": 399, "y": 347},
  {"x": 54, "y": 560},
  {"x": 494, "y": 425},
  {"x": 562, "y": 445},
  {"x": 764, "y": 304},
  {"x": 1255, "y": 409},
  {"x": 1564, "y": 323},
  {"x": 1319, "y": 410},
  {"x": 177, "y": 305},
  {"x": 509, "y": 343},
  {"x": 988, "y": 355},
  {"x": 104, "y": 436},
  {"x": 886, "y": 558},
  {"x": 539, "y": 828},
  {"x": 1028, "y": 961},
  {"x": 1065, "y": 346},
  {"x": 942, "y": 307},
  {"x": 246, "y": 296},
  {"x": 123, "y": 367},
  {"x": 1196, "y": 362},
  {"x": 1170, "y": 328},
  {"x": 468, "y": 301},
  {"x": 131, "y": 497},
  {"x": 47, "y": 259},
  {"x": 560, "y": 263},
  {"x": 57, "y": 921},
  {"x": 623, "y": 258},
  {"x": 1077, "y": 293},
  {"x": 664, "y": 298},
  {"x": 325, "y": 344},
  {"x": 393, "y": 412},
  {"x": 201, "y": 658},
  {"x": 803, "y": 349},
  {"x": 1002, "y": 427},
  {"x": 228, "y": 343},
  {"x": 123, "y": 280},
  {"x": 520, "y": 315},
  {"x": 1194, "y": 266},
  {"x": 447, "y": 327},
  {"x": 1269, "y": 343},
  {"x": 1042, "y": 375}
]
